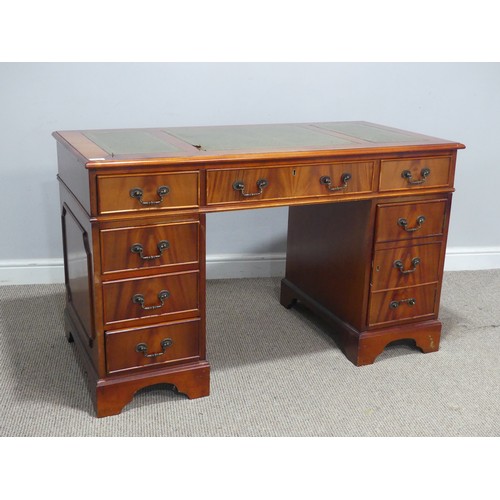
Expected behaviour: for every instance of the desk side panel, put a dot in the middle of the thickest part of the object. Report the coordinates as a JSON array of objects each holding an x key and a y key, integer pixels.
[
  {"x": 329, "y": 256},
  {"x": 81, "y": 302}
]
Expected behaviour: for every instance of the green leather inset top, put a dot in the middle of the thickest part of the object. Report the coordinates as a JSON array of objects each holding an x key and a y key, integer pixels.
[
  {"x": 122, "y": 142},
  {"x": 250, "y": 137},
  {"x": 369, "y": 133}
]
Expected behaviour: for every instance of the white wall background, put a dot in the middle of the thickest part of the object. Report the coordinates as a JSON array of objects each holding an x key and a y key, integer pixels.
[{"x": 455, "y": 101}]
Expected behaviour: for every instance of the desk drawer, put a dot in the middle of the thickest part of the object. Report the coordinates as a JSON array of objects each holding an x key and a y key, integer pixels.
[
  {"x": 145, "y": 247},
  {"x": 154, "y": 296},
  {"x": 406, "y": 266},
  {"x": 257, "y": 184},
  {"x": 401, "y": 305},
  {"x": 159, "y": 345},
  {"x": 125, "y": 193},
  {"x": 400, "y": 221},
  {"x": 415, "y": 173}
]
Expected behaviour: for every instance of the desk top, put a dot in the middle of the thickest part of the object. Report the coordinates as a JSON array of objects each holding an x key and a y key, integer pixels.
[{"x": 194, "y": 144}]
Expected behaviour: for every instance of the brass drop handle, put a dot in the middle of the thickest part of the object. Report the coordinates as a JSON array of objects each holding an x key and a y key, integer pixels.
[
  {"x": 398, "y": 264},
  {"x": 143, "y": 348},
  {"x": 138, "y": 248},
  {"x": 327, "y": 181},
  {"x": 404, "y": 224},
  {"x": 139, "y": 299},
  {"x": 240, "y": 186},
  {"x": 138, "y": 193},
  {"x": 424, "y": 173},
  {"x": 396, "y": 303}
]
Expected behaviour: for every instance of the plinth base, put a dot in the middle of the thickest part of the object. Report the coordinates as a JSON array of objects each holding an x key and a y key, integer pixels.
[{"x": 362, "y": 348}]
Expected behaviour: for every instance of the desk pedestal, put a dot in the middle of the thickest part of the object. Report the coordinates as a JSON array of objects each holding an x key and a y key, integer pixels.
[{"x": 370, "y": 289}]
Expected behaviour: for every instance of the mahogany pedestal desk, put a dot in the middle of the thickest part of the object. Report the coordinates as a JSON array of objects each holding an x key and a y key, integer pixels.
[{"x": 368, "y": 221}]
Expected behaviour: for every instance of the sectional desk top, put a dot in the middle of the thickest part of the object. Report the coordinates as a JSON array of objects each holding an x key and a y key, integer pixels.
[{"x": 368, "y": 221}]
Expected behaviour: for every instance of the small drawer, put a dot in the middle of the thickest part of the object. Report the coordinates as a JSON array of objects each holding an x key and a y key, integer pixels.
[
  {"x": 299, "y": 181},
  {"x": 401, "y": 221},
  {"x": 154, "y": 296},
  {"x": 401, "y": 305},
  {"x": 159, "y": 345},
  {"x": 415, "y": 173},
  {"x": 406, "y": 266},
  {"x": 145, "y": 247},
  {"x": 125, "y": 193}
]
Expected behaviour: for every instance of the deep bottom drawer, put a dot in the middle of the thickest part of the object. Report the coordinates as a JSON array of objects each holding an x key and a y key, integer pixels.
[
  {"x": 399, "y": 305},
  {"x": 158, "y": 345}
]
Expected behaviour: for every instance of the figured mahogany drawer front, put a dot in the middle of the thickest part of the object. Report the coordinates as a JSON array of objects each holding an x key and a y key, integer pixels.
[
  {"x": 415, "y": 173},
  {"x": 255, "y": 184},
  {"x": 162, "y": 191},
  {"x": 155, "y": 296},
  {"x": 400, "y": 221},
  {"x": 144, "y": 247},
  {"x": 158, "y": 345},
  {"x": 398, "y": 305},
  {"x": 406, "y": 266}
]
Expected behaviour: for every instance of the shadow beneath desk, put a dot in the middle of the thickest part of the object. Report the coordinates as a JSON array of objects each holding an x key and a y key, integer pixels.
[
  {"x": 37, "y": 361},
  {"x": 246, "y": 324}
]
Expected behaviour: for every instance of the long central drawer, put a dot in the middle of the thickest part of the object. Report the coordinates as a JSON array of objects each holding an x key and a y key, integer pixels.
[{"x": 256, "y": 184}]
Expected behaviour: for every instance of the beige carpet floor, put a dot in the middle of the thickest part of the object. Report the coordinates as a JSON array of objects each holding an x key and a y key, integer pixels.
[{"x": 275, "y": 372}]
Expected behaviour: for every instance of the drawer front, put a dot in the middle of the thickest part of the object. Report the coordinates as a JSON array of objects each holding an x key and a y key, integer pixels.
[
  {"x": 125, "y": 193},
  {"x": 402, "y": 221},
  {"x": 329, "y": 179},
  {"x": 334, "y": 179},
  {"x": 398, "y": 305},
  {"x": 159, "y": 345},
  {"x": 221, "y": 185},
  {"x": 406, "y": 266},
  {"x": 145, "y": 247},
  {"x": 142, "y": 298},
  {"x": 415, "y": 173}
]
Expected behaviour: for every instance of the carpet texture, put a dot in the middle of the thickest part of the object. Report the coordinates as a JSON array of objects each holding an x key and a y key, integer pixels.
[{"x": 275, "y": 372}]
